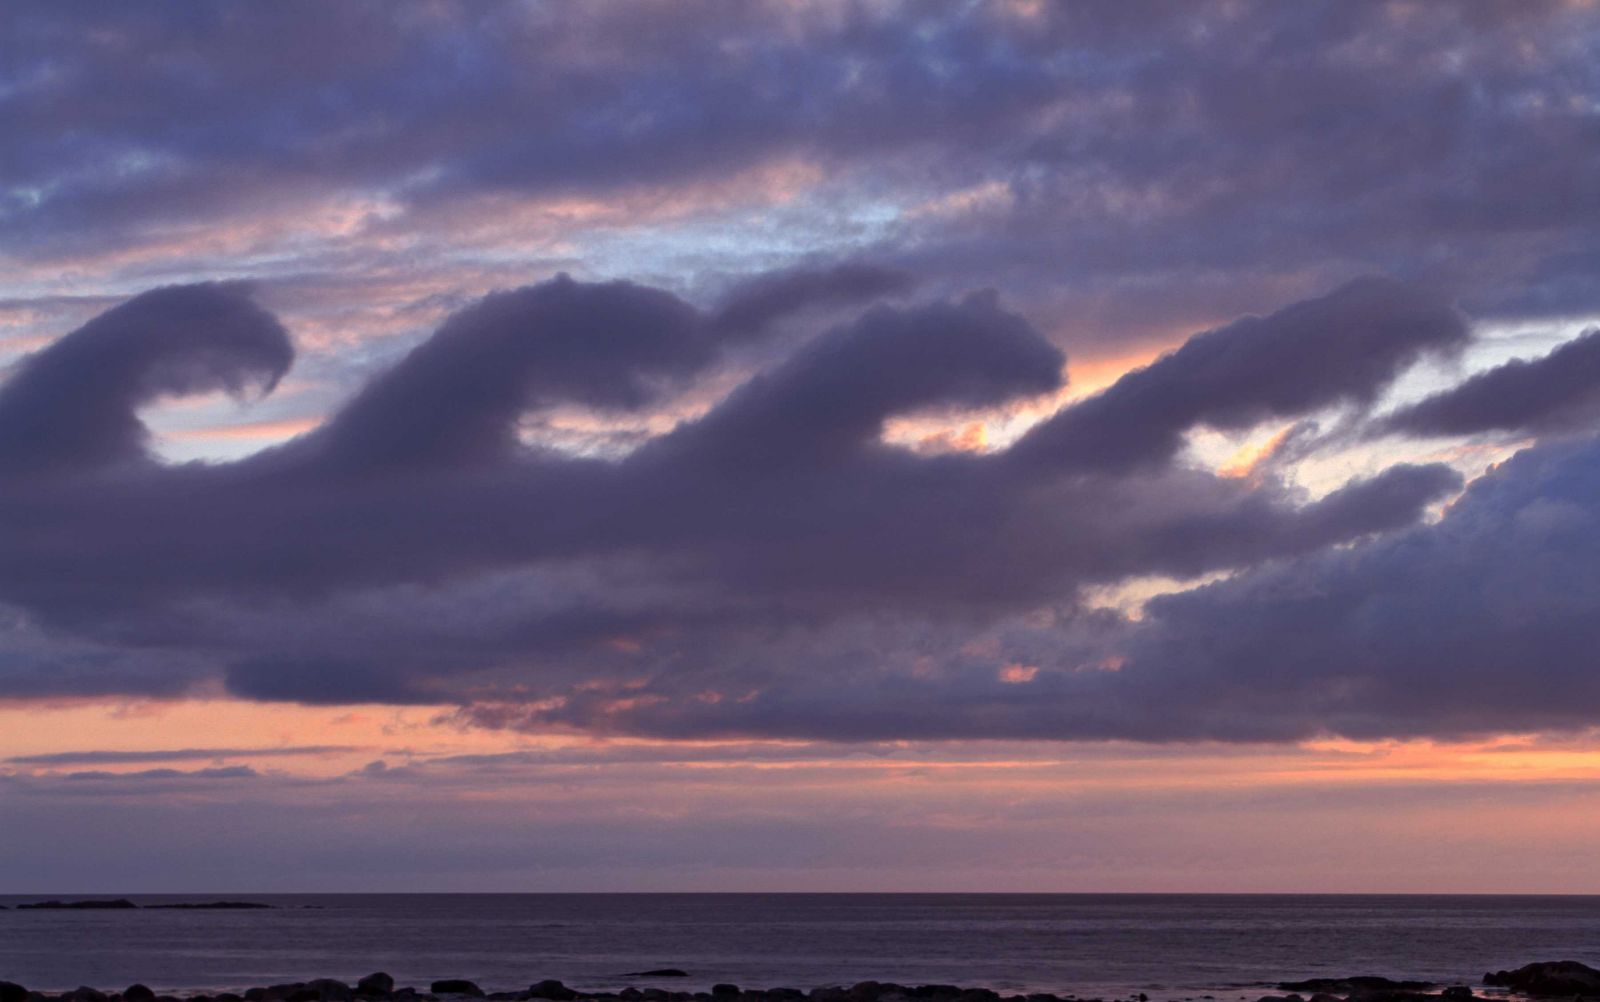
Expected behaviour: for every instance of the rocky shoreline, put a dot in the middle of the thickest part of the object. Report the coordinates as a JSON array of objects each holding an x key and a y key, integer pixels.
[{"x": 1551, "y": 979}]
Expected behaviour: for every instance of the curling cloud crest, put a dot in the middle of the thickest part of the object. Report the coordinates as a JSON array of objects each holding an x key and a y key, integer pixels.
[{"x": 774, "y": 567}]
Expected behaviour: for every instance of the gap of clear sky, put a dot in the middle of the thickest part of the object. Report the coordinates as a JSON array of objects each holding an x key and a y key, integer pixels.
[{"x": 775, "y": 446}]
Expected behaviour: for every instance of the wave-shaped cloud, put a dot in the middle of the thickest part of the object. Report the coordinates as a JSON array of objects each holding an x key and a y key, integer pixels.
[
  {"x": 73, "y": 405},
  {"x": 770, "y": 567}
]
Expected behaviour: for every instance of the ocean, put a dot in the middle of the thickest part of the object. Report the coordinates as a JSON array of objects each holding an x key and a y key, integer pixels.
[{"x": 1092, "y": 945}]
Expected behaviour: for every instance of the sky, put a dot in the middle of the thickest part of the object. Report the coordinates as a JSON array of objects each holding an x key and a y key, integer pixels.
[{"x": 1109, "y": 446}]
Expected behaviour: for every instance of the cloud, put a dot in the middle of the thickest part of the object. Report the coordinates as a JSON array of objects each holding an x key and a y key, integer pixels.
[
  {"x": 124, "y": 757},
  {"x": 162, "y": 777},
  {"x": 972, "y": 816},
  {"x": 673, "y": 494},
  {"x": 1559, "y": 392},
  {"x": 769, "y": 567},
  {"x": 1122, "y": 173},
  {"x": 1478, "y": 624},
  {"x": 73, "y": 405},
  {"x": 456, "y": 398},
  {"x": 613, "y": 346},
  {"x": 756, "y": 303},
  {"x": 834, "y": 396},
  {"x": 1342, "y": 348},
  {"x": 1483, "y": 622}
]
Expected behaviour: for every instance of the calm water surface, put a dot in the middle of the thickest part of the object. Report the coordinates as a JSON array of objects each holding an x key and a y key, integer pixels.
[{"x": 1169, "y": 946}]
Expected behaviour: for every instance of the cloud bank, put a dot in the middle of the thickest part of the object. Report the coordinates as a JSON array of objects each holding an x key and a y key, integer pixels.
[
  {"x": 770, "y": 565},
  {"x": 1125, "y": 171}
]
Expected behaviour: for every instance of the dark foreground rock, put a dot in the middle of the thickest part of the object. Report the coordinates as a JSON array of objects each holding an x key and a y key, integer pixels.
[
  {"x": 316, "y": 990},
  {"x": 1566, "y": 978},
  {"x": 1555, "y": 977},
  {"x": 1366, "y": 988},
  {"x": 323, "y": 990},
  {"x": 663, "y": 972},
  {"x": 1360, "y": 984},
  {"x": 1459, "y": 994}
]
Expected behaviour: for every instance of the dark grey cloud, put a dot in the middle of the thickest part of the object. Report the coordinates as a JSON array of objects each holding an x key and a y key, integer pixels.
[
  {"x": 457, "y": 397},
  {"x": 73, "y": 405},
  {"x": 755, "y": 303},
  {"x": 737, "y": 569},
  {"x": 1342, "y": 348},
  {"x": 1556, "y": 392},
  {"x": 1483, "y": 622},
  {"x": 794, "y": 448},
  {"x": 834, "y": 396}
]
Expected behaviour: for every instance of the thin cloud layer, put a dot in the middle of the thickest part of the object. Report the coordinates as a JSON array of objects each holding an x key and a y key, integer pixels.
[
  {"x": 959, "y": 816},
  {"x": 106, "y": 757}
]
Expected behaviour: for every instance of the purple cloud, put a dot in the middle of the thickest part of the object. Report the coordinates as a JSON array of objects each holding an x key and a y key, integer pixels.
[
  {"x": 413, "y": 549},
  {"x": 72, "y": 405},
  {"x": 1342, "y": 348},
  {"x": 1560, "y": 391}
]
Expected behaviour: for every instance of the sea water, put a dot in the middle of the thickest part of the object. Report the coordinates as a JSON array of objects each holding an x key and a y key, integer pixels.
[{"x": 1091, "y": 945}]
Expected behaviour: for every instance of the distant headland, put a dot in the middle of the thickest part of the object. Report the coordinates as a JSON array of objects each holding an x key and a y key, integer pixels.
[{"x": 118, "y": 904}]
